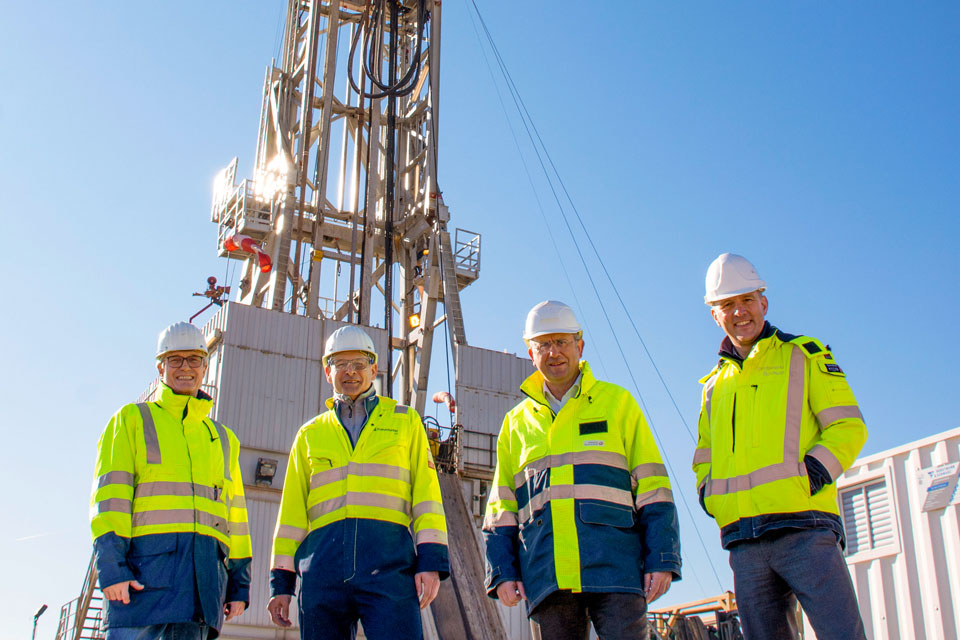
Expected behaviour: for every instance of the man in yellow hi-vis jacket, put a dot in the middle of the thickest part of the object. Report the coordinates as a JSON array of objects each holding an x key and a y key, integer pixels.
[
  {"x": 778, "y": 425},
  {"x": 167, "y": 513},
  {"x": 358, "y": 476},
  {"x": 581, "y": 521}
]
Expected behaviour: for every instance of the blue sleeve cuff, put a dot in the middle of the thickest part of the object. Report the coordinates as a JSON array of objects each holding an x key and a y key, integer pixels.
[
  {"x": 238, "y": 580},
  {"x": 110, "y": 551},
  {"x": 660, "y": 535},
  {"x": 433, "y": 557},
  {"x": 502, "y": 562},
  {"x": 282, "y": 582}
]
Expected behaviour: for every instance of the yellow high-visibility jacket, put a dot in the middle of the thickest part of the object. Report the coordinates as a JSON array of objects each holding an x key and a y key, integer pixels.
[
  {"x": 759, "y": 418},
  {"x": 348, "y": 510},
  {"x": 167, "y": 509},
  {"x": 581, "y": 499}
]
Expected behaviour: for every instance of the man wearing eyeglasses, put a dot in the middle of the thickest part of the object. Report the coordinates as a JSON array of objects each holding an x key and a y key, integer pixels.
[
  {"x": 358, "y": 476},
  {"x": 580, "y": 522},
  {"x": 168, "y": 515}
]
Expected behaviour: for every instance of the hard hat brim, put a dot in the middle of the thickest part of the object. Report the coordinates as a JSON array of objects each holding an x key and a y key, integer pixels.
[
  {"x": 537, "y": 334},
  {"x": 733, "y": 294},
  {"x": 161, "y": 356},
  {"x": 327, "y": 356}
]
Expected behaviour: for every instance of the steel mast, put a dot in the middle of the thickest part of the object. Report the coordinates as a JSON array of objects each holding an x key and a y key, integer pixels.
[{"x": 345, "y": 174}]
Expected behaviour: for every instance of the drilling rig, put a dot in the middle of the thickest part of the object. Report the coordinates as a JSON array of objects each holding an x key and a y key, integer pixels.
[{"x": 343, "y": 222}]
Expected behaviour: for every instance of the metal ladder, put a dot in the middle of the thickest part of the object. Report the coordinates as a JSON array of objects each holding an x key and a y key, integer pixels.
[{"x": 451, "y": 289}]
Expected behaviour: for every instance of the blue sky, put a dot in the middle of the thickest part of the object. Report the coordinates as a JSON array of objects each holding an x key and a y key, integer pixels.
[{"x": 821, "y": 141}]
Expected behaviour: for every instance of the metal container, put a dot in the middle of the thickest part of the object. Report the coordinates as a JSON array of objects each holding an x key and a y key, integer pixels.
[{"x": 900, "y": 510}]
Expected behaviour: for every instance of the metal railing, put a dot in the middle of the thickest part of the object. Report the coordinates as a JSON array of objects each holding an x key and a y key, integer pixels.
[
  {"x": 82, "y": 617},
  {"x": 486, "y": 450},
  {"x": 466, "y": 251},
  {"x": 242, "y": 211}
]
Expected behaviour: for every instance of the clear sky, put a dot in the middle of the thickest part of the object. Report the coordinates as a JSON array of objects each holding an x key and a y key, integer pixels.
[{"x": 819, "y": 139}]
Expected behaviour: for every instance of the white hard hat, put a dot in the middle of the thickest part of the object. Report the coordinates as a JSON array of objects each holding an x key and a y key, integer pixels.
[
  {"x": 180, "y": 336},
  {"x": 731, "y": 275},
  {"x": 550, "y": 316},
  {"x": 349, "y": 338}
]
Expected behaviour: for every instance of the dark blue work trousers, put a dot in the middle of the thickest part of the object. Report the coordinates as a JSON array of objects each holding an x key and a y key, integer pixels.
[
  {"x": 772, "y": 572},
  {"x": 331, "y": 612},
  {"x": 169, "y": 631}
]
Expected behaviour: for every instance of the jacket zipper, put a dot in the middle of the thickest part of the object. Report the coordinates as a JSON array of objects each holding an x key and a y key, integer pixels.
[{"x": 733, "y": 424}]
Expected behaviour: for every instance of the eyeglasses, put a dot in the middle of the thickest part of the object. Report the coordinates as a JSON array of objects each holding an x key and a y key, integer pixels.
[
  {"x": 357, "y": 364},
  {"x": 545, "y": 345},
  {"x": 195, "y": 362}
]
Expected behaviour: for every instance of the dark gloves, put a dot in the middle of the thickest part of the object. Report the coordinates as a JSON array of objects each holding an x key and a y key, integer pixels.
[
  {"x": 703, "y": 502},
  {"x": 817, "y": 474}
]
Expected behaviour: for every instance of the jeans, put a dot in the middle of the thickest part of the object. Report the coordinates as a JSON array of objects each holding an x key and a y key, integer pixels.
[
  {"x": 772, "y": 572},
  {"x": 564, "y": 615},
  {"x": 168, "y": 631}
]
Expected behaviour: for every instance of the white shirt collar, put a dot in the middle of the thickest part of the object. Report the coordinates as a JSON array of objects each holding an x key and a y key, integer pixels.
[{"x": 557, "y": 403}]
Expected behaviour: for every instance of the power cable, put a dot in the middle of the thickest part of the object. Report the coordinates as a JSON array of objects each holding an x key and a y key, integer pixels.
[
  {"x": 373, "y": 22},
  {"x": 525, "y": 119},
  {"x": 533, "y": 188}
]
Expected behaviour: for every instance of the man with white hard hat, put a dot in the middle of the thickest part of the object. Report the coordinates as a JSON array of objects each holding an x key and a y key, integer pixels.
[
  {"x": 358, "y": 477},
  {"x": 580, "y": 522},
  {"x": 168, "y": 515},
  {"x": 778, "y": 425}
]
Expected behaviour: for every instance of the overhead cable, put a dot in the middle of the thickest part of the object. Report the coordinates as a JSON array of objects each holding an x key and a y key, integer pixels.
[{"x": 541, "y": 151}]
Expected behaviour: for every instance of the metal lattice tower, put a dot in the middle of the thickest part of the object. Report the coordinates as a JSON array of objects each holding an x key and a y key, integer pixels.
[{"x": 344, "y": 191}]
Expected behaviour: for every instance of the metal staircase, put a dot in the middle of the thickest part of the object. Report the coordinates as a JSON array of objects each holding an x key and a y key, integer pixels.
[
  {"x": 82, "y": 617},
  {"x": 451, "y": 289}
]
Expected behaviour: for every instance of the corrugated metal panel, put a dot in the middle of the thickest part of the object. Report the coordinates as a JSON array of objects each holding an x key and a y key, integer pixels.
[
  {"x": 515, "y": 621},
  {"x": 262, "y": 510},
  {"x": 905, "y": 562},
  {"x": 488, "y": 386}
]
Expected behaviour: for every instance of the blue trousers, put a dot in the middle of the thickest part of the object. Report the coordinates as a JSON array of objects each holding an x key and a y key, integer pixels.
[
  {"x": 774, "y": 571},
  {"x": 169, "y": 631},
  {"x": 331, "y": 612},
  {"x": 564, "y": 615}
]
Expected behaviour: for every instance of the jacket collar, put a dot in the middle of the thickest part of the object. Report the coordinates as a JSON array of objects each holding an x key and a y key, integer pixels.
[
  {"x": 180, "y": 405},
  {"x": 533, "y": 385},
  {"x": 369, "y": 398},
  {"x": 728, "y": 352}
]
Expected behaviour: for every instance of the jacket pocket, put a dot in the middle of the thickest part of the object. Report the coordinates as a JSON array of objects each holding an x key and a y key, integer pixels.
[
  {"x": 606, "y": 514},
  {"x": 152, "y": 559}
]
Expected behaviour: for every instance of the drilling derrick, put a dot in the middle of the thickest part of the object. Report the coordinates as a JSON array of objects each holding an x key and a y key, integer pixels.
[{"x": 344, "y": 196}]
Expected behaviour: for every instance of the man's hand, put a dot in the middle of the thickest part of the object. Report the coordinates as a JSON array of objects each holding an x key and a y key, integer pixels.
[
  {"x": 121, "y": 591},
  {"x": 428, "y": 584},
  {"x": 511, "y": 592},
  {"x": 656, "y": 584},
  {"x": 233, "y": 609},
  {"x": 279, "y": 608}
]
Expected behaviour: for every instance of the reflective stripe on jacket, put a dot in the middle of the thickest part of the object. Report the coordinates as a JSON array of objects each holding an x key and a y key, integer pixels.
[
  {"x": 758, "y": 419},
  {"x": 336, "y": 496},
  {"x": 580, "y": 500},
  {"x": 168, "y": 504}
]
